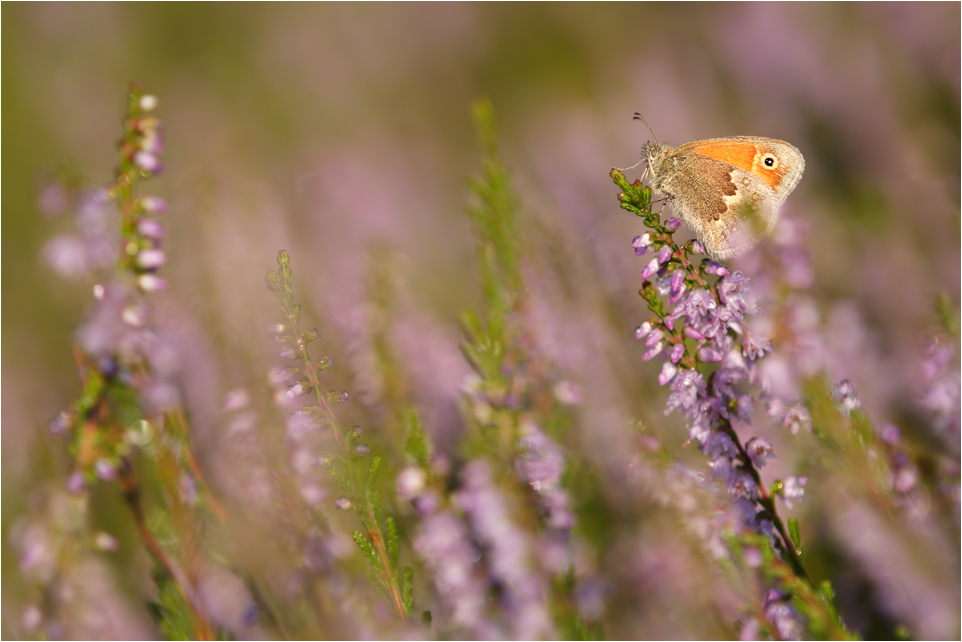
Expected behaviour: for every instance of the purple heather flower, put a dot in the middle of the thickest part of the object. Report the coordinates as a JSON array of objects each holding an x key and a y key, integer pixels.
[
  {"x": 741, "y": 483},
  {"x": 676, "y": 296},
  {"x": 844, "y": 396},
  {"x": 654, "y": 337},
  {"x": 697, "y": 247},
  {"x": 759, "y": 450},
  {"x": 444, "y": 544},
  {"x": 672, "y": 224},
  {"x": 66, "y": 255},
  {"x": 148, "y": 161},
  {"x": 793, "y": 489},
  {"x": 151, "y": 229},
  {"x": 741, "y": 408},
  {"x": 641, "y": 241},
  {"x": 709, "y": 355},
  {"x": 650, "y": 269},
  {"x": 105, "y": 469},
  {"x": 903, "y": 478},
  {"x": 677, "y": 283},
  {"x": 135, "y": 315},
  {"x": 187, "y": 489},
  {"x": 541, "y": 465},
  {"x": 428, "y": 503},
  {"x": 60, "y": 424},
  {"x": 713, "y": 267},
  {"x": 298, "y": 389},
  {"x": 235, "y": 400},
  {"x": 663, "y": 282},
  {"x": 152, "y": 144},
  {"x": 567, "y": 392},
  {"x": 735, "y": 295},
  {"x": 102, "y": 333},
  {"x": 668, "y": 371},
  {"x": 697, "y": 308},
  {"x": 941, "y": 394},
  {"x": 153, "y": 204},
  {"x": 642, "y": 331},
  {"x": 76, "y": 482},
  {"x": 278, "y": 376},
  {"x": 890, "y": 434},
  {"x": 410, "y": 483},
  {"x": 508, "y": 552},
  {"x": 754, "y": 347},
  {"x": 151, "y": 282},
  {"x": 797, "y": 417},
  {"x": 715, "y": 443},
  {"x": 787, "y": 620},
  {"x": 724, "y": 379},
  {"x": 693, "y": 333},
  {"x": 677, "y": 352},
  {"x": 686, "y": 388},
  {"x": 299, "y": 424},
  {"x": 652, "y": 352},
  {"x": 664, "y": 254},
  {"x": 151, "y": 258}
]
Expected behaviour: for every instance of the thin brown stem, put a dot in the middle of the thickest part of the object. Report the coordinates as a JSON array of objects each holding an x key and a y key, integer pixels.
[
  {"x": 177, "y": 418},
  {"x": 768, "y": 502},
  {"x": 375, "y": 535},
  {"x": 202, "y": 628}
]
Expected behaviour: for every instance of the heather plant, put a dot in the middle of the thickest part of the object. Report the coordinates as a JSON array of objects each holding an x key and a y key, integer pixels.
[{"x": 347, "y": 515}]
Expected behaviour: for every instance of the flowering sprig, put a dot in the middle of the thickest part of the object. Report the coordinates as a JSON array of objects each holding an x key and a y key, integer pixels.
[
  {"x": 357, "y": 479},
  {"x": 700, "y": 319},
  {"x": 130, "y": 398},
  {"x": 512, "y": 462},
  {"x": 705, "y": 325}
]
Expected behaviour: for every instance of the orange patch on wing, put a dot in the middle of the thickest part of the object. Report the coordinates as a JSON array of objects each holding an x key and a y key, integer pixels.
[{"x": 742, "y": 154}]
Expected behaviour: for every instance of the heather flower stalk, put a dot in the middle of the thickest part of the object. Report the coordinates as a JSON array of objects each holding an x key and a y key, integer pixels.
[
  {"x": 699, "y": 331},
  {"x": 130, "y": 400},
  {"x": 356, "y": 478},
  {"x": 474, "y": 537}
]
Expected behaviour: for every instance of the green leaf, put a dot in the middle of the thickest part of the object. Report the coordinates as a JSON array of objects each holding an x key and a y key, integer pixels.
[
  {"x": 173, "y": 611},
  {"x": 374, "y": 501},
  {"x": 416, "y": 445},
  {"x": 793, "y": 532},
  {"x": 367, "y": 547},
  {"x": 375, "y": 468},
  {"x": 828, "y": 593},
  {"x": 407, "y": 590},
  {"x": 335, "y": 471},
  {"x": 393, "y": 547}
]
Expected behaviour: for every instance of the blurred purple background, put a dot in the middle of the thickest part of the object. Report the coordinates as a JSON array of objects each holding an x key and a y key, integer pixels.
[{"x": 342, "y": 133}]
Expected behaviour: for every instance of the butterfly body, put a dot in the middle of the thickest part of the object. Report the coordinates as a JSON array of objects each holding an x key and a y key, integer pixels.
[{"x": 728, "y": 190}]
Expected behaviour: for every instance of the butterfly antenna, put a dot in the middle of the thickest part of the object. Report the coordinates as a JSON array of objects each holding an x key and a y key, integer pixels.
[{"x": 642, "y": 119}]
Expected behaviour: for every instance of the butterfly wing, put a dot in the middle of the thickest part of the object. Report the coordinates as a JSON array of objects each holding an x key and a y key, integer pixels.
[
  {"x": 728, "y": 208},
  {"x": 776, "y": 163}
]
